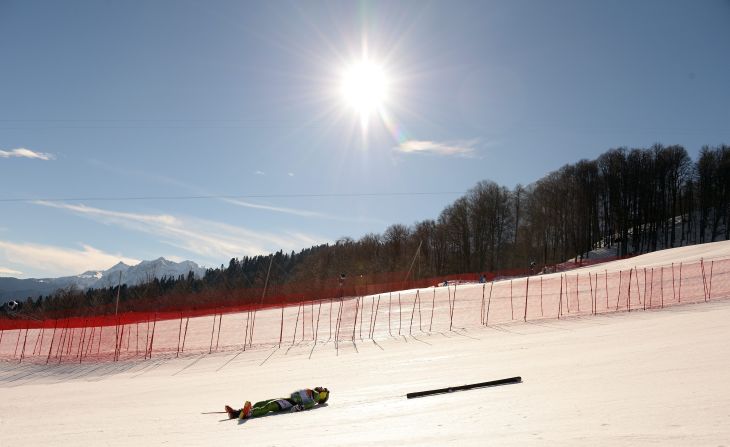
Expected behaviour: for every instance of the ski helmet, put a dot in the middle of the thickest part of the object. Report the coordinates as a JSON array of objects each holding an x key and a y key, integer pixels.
[{"x": 324, "y": 394}]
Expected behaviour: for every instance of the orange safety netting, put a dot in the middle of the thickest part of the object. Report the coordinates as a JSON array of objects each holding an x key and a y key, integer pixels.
[{"x": 359, "y": 310}]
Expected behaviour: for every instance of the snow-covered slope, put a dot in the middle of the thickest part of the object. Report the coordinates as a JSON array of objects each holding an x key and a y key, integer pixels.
[{"x": 654, "y": 377}]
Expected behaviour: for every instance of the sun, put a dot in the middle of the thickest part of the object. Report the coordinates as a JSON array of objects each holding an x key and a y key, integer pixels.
[{"x": 364, "y": 87}]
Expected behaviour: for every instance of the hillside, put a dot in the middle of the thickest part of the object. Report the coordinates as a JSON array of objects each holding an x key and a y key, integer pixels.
[{"x": 609, "y": 379}]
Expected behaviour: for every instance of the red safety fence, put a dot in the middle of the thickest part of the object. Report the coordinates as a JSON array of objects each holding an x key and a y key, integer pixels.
[{"x": 426, "y": 308}]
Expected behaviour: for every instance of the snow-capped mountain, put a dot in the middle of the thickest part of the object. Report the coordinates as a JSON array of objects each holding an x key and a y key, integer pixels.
[
  {"x": 145, "y": 271},
  {"x": 20, "y": 289}
]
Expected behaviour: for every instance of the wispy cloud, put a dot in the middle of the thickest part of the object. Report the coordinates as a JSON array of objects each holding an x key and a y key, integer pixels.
[
  {"x": 278, "y": 209},
  {"x": 26, "y": 153},
  {"x": 210, "y": 239},
  {"x": 303, "y": 213},
  {"x": 58, "y": 261},
  {"x": 259, "y": 173},
  {"x": 290, "y": 174},
  {"x": 7, "y": 271},
  {"x": 466, "y": 148}
]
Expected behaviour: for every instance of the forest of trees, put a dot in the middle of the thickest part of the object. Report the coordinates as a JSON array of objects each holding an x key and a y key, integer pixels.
[{"x": 637, "y": 200}]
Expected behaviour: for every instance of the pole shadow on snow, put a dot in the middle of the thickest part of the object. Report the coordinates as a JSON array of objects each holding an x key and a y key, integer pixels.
[
  {"x": 269, "y": 356},
  {"x": 189, "y": 364},
  {"x": 422, "y": 341},
  {"x": 229, "y": 361},
  {"x": 549, "y": 326}
]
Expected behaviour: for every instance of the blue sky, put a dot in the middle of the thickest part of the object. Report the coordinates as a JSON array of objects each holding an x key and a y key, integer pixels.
[{"x": 115, "y": 115}]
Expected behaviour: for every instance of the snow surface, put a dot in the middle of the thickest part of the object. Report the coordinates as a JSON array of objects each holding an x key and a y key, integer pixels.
[{"x": 658, "y": 377}]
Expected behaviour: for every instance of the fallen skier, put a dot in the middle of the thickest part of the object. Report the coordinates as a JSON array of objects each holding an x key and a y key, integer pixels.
[{"x": 298, "y": 401}]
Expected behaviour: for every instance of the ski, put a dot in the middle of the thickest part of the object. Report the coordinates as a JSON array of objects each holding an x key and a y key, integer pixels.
[{"x": 452, "y": 389}]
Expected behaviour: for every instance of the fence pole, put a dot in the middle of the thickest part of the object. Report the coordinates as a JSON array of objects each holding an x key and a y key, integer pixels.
[
  {"x": 679, "y": 295},
  {"x": 316, "y": 331},
  {"x": 618, "y": 297},
  {"x": 61, "y": 339},
  {"x": 560, "y": 301},
  {"x": 185, "y": 334},
  {"x": 489, "y": 303},
  {"x": 481, "y": 315},
  {"x": 339, "y": 322},
  {"x": 129, "y": 332},
  {"x": 296, "y": 326},
  {"x": 121, "y": 339},
  {"x": 606, "y": 272},
  {"x": 375, "y": 319},
  {"x": 179, "y": 334},
  {"x": 567, "y": 294},
  {"x": 661, "y": 285},
  {"x": 433, "y": 306},
  {"x": 261, "y": 304},
  {"x": 628, "y": 299},
  {"x": 218, "y": 338},
  {"x": 37, "y": 338},
  {"x": 152, "y": 339},
  {"x": 542, "y": 314},
  {"x": 709, "y": 291},
  {"x": 577, "y": 298},
  {"x": 413, "y": 312},
  {"x": 704, "y": 279},
  {"x": 71, "y": 341},
  {"x": 511, "y": 303},
  {"x": 212, "y": 332},
  {"x": 595, "y": 298},
  {"x": 527, "y": 289},
  {"x": 362, "y": 313},
  {"x": 590, "y": 281},
  {"x": 453, "y": 308},
  {"x": 372, "y": 309},
  {"x": 282, "y": 312},
  {"x": 674, "y": 294},
  {"x": 651, "y": 288},
  {"x": 147, "y": 339},
  {"x": 245, "y": 335},
  {"x": 389, "y": 312},
  {"x": 35, "y": 345},
  {"x": 55, "y": 325},
  {"x": 59, "y": 348},
  {"x": 644, "y": 288},
  {"x": 400, "y": 312},
  {"x": 354, "y": 325},
  {"x": 22, "y": 353},
  {"x": 448, "y": 290},
  {"x": 91, "y": 341},
  {"x": 17, "y": 343},
  {"x": 81, "y": 342}
]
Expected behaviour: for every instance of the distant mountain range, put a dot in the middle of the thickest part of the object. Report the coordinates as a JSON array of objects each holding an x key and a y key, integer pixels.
[{"x": 20, "y": 289}]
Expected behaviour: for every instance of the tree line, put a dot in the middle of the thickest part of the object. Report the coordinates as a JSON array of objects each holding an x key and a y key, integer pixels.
[{"x": 636, "y": 200}]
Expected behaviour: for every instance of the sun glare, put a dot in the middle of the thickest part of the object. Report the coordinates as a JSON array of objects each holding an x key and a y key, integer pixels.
[{"x": 364, "y": 87}]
